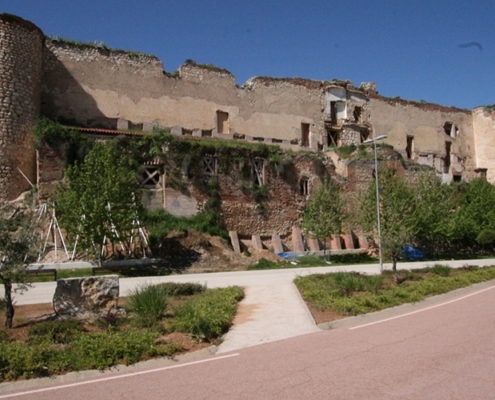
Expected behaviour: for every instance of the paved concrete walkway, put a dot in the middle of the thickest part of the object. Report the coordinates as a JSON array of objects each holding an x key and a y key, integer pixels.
[{"x": 272, "y": 309}]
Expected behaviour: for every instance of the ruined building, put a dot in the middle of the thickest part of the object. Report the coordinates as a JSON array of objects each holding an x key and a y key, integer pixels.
[{"x": 107, "y": 92}]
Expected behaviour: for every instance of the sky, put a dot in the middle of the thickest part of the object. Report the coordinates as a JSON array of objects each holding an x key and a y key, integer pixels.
[{"x": 439, "y": 51}]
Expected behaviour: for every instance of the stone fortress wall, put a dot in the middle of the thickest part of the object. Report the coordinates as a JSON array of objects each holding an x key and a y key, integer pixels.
[
  {"x": 92, "y": 86},
  {"x": 20, "y": 81}
]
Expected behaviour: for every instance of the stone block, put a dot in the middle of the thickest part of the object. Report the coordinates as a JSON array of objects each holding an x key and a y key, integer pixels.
[
  {"x": 348, "y": 241},
  {"x": 148, "y": 126},
  {"x": 256, "y": 242},
  {"x": 313, "y": 244},
  {"x": 336, "y": 243},
  {"x": 297, "y": 242},
  {"x": 86, "y": 297},
  {"x": 122, "y": 124},
  {"x": 176, "y": 130},
  {"x": 363, "y": 243},
  {"x": 234, "y": 239},
  {"x": 277, "y": 244}
]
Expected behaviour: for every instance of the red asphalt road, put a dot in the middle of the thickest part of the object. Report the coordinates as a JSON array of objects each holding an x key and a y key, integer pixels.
[{"x": 445, "y": 352}]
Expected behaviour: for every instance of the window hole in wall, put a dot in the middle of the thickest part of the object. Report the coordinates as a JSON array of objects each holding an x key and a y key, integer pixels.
[
  {"x": 150, "y": 176},
  {"x": 304, "y": 135},
  {"x": 358, "y": 111},
  {"x": 186, "y": 132},
  {"x": 409, "y": 146},
  {"x": 304, "y": 186},
  {"x": 258, "y": 172},
  {"x": 223, "y": 122},
  {"x": 206, "y": 133},
  {"x": 364, "y": 135},
  {"x": 451, "y": 129}
]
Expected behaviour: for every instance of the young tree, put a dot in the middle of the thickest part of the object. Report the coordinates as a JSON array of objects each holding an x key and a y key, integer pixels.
[
  {"x": 323, "y": 214},
  {"x": 396, "y": 210},
  {"x": 475, "y": 211},
  {"x": 100, "y": 198},
  {"x": 434, "y": 202},
  {"x": 18, "y": 247}
]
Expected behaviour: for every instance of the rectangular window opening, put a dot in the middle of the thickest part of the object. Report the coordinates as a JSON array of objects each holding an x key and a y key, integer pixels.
[
  {"x": 151, "y": 176},
  {"x": 333, "y": 138},
  {"x": 223, "y": 122},
  {"x": 409, "y": 147},
  {"x": 304, "y": 186},
  {"x": 258, "y": 173},
  {"x": 358, "y": 111},
  {"x": 209, "y": 166},
  {"x": 305, "y": 135}
]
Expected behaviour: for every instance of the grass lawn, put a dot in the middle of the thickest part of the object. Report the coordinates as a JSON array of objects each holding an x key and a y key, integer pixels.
[{"x": 337, "y": 295}]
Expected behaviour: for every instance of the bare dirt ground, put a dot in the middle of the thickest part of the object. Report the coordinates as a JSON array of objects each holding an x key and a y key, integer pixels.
[{"x": 188, "y": 251}]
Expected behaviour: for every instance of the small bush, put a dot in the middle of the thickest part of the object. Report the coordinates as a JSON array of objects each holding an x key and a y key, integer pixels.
[
  {"x": 148, "y": 304},
  {"x": 60, "y": 332},
  {"x": 183, "y": 289},
  {"x": 373, "y": 283},
  {"x": 441, "y": 270},
  {"x": 209, "y": 314},
  {"x": 4, "y": 336},
  {"x": 348, "y": 282},
  {"x": 263, "y": 263},
  {"x": 103, "y": 350}
]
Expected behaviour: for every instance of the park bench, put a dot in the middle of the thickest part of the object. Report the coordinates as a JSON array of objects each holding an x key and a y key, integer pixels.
[
  {"x": 44, "y": 271},
  {"x": 114, "y": 268}
]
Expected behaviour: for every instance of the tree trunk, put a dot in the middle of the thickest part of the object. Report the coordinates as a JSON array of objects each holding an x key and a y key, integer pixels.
[
  {"x": 394, "y": 268},
  {"x": 9, "y": 306}
]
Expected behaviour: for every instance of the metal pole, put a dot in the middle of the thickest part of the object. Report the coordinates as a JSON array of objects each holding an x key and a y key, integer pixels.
[{"x": 378, "y": 210}]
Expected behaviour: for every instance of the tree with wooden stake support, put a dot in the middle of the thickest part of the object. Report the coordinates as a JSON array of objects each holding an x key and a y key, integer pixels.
[
  {"x": 99, "y": 199},
  {"x": 18, "y": 248},
  {"x": 322, "y": 216},
  {"x": 396, "y": 207}
]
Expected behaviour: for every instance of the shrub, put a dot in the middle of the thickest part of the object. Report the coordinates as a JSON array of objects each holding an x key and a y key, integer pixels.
[
  {"x": 18, "y": 360},
  {"x": 103, "y": 350},
  {"x": 348, "y": 282},
  {"x": 209, "y": 314},
  {"x": 183, "y": 289},
  {"x": 324, "y": 293},
  {"x": 442, "y": 270},
  {"x": 148, "y": 303},
  {"x": 262, "y": 263},
  {"x": 60, "y": 332}
]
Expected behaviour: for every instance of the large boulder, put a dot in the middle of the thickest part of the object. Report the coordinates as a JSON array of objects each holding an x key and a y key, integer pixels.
[{"x": 86, "y": 297}]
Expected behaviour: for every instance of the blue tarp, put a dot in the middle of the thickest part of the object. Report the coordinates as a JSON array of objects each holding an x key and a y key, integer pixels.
[
  {"x": 287, "y": 255},
  {"x": 412, "y": 254}
]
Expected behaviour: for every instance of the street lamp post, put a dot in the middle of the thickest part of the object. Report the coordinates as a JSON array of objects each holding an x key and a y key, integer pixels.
[{"x": 378, "y": 223}]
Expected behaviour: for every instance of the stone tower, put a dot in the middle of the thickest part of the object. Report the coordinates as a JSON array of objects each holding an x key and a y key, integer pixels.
[{"x": 21, "y": 45}]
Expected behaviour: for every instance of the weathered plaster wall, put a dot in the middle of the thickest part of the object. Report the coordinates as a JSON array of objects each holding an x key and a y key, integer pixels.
[
  {"x": 484, "y": 126},
  {"x": 425, "y": 123},
  {"x": 98, "y": 86},
  {"x": 20, "y": 77},
  {"x": 50, "y": 170}
]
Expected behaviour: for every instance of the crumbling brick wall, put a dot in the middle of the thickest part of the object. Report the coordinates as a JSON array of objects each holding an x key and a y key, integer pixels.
[{"x": 20, "y": 79}]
